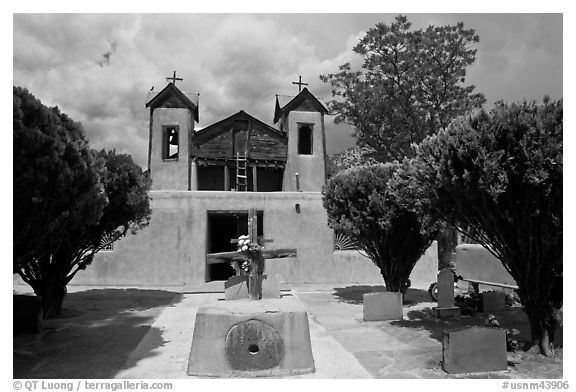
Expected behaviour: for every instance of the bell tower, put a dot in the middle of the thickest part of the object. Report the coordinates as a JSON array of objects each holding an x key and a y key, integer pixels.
[
  {"x": 302, "y": 118},
  {"x": 171, "y": 125}
]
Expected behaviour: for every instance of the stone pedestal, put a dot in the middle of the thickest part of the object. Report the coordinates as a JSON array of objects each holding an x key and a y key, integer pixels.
[
  {"x": 447, "y": 312},
  {"x": 236, "y": 287},
  {"x": 27, "y": 314},
  {"x": 474, "y": 350},
  {"x": 246, "y": 338},
  {"x": 382, "y": 306},
  {"x": 446, "y": 306}
]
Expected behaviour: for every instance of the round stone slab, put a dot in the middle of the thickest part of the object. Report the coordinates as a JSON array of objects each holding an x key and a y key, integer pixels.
[
  {"x": 233, "y": 335},
  {"x": 253, "y": 345}
]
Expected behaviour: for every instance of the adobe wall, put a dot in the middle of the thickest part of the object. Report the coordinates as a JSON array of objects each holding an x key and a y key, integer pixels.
[
  {"x": 361, "y": 269},
  {"x": 473, "y": 261},
  {"x": 171, "y": 251}
]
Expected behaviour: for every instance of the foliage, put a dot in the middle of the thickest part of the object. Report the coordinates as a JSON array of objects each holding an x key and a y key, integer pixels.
[
  {"x": 500, "y": 174},
  {"x": 69, "y": 201},
  {"x": 351, "y": 157},
  {"x": 252, "y": 251},
  {"x": 410, "y": 85},
  {"x": 360, "y": 205}
]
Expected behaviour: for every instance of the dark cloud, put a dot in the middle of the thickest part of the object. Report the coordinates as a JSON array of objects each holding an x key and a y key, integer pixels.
[{"x": 241, "y": 61}]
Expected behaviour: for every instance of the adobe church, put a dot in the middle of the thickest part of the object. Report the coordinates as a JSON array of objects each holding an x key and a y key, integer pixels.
[{"x": 205, "y": 181}]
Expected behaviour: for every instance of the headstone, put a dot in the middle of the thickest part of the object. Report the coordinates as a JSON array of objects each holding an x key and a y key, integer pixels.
[
  {"x": 270, "y": 287},
  {"x": 445, "y": 286},
  {"x": 474, "y": 350},
  {"x": 236, "y": 287},
  {"x": 382, "y": 306},
  {"x": 493, "y": 301}
]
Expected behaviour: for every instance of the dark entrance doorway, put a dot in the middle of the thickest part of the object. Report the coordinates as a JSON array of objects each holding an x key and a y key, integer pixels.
[{"x": 222, "y": 227}]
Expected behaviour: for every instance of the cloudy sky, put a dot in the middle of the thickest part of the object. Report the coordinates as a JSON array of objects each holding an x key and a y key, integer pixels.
[{"x": 98, "y": 68}]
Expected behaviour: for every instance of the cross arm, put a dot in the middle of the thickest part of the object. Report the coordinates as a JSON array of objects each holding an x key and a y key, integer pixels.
[{"x": 228, "y": 257}]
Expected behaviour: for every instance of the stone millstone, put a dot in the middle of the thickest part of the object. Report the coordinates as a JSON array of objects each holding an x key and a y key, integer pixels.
[
  {"x": 253, "y": 345},
  {"x": 245, "y": 338}
]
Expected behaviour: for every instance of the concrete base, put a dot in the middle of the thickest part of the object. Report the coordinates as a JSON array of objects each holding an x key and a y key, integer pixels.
[
  {"x": 382, "y": 306},
  {"x": 452, "y": 311},
  {"x": 474, "y": 350},
  {"x": 245, "y": 338}
]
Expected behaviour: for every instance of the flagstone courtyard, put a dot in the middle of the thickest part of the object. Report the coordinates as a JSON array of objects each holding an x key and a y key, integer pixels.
[{"x": 147, "y": 333}]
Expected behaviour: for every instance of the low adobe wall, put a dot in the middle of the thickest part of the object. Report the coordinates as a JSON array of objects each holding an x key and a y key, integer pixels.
[
  {"x": 171, "y": 251},
  {"x": 473, "y": 261},
  {"x": 357, "y": 268}
]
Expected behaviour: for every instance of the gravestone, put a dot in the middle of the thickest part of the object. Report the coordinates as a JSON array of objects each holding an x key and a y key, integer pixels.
[
  {"x": 474, "y": 350},
  {"x": 445, "y": 286},
  {"x": 236, "y": 287},
  {"x": 493, "y": 301},
  {"x": 382, "y": 306}
]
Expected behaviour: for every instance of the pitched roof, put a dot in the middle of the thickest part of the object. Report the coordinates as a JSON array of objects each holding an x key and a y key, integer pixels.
[
  {"x": 213, "y": 129},
  {"x": 285, "y": 103},
  {"x": 189, "y": 100}
]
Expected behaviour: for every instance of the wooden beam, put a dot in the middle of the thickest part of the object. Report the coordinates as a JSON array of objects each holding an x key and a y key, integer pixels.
[
  {"x": 226, "y": 177},
  {"x": 255, "y": 178},
  {"x": 228, "y": 257}
]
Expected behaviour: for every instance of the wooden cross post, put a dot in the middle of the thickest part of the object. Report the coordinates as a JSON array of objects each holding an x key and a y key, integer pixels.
[
  {"x": 300, "y": 83},
  {"x": 256, "y": 263},
  {"x": 173, "y": 78}
]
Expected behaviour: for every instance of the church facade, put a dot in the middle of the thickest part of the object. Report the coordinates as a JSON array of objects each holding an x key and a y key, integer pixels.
[{"x": 205, "y": 181}]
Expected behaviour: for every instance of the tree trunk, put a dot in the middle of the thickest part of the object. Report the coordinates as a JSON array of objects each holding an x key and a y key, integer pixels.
[
  {"x": 52, "y": 294},
  {"x": 447, "y": 242},
  {"x": 543, "y": 322},
  {"x": 392, "y": 285}
]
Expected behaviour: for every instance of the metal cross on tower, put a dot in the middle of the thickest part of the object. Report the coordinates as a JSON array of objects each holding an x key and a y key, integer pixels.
[
  {"x": 174, "y": 78},
  {"x": 300, "y": 84}
]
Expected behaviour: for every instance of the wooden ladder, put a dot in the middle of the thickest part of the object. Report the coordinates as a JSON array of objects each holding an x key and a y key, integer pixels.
[{"x": 241, "y": 172}]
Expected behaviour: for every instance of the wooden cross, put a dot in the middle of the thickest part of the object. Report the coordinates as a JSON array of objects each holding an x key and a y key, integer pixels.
[
  {"x": 256, "y": 264},
  {"x": 299, "y": 83},
  {"x": 173, "y": 78}
]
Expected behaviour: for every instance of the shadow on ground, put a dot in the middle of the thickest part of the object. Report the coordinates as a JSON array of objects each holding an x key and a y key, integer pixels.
[
  {"x": 355, "y": 294},
  {"x": 93, "y": 337},
  {"x": 424, "y": 318}
]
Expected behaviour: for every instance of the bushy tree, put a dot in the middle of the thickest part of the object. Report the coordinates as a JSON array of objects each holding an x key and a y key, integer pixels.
[
  {"x": 410, "y": 85},
  {"x": 500, "y": 175},
  {"x": 68, "y": 200},
  {"x": 361, "y": 205}
]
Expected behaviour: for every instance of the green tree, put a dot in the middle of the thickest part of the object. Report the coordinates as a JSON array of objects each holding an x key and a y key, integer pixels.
[
  {"x": 500, "y": 175},
  {"x": 68, "y": 199},
  {"x": 382, "y": 223},
  {"x": 410, "y": 86}
]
